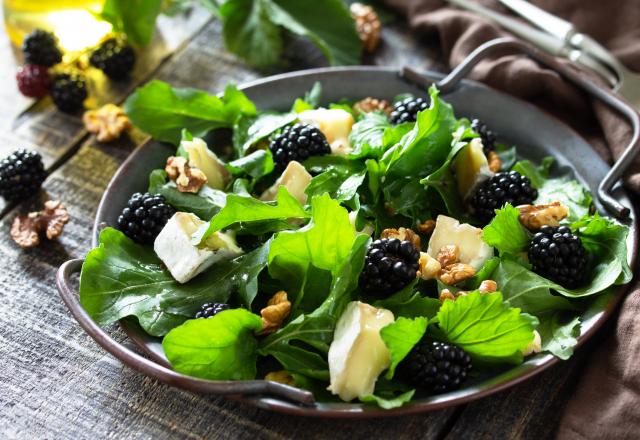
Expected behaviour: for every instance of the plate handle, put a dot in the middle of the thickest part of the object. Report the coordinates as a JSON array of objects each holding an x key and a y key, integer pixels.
[
  {"x": 163, "y": 374},
  {"x": 618, "y": 169}
]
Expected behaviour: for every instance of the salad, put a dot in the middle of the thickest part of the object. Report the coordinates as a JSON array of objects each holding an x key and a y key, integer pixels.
[{"x": 367, "y": 251}]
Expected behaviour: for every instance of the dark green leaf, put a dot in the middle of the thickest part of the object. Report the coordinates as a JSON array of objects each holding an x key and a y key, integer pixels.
[
  {"x": 366, "y": 135},
  {"x": 257, "y": 164},
  {"x": 263, "y": 126}
]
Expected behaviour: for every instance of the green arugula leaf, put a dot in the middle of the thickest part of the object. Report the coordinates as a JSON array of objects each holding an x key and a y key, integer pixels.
[
  {"x": 246, "y": 209},
  {"x": 391, "y": 401},
  {"x": 205, "y": 204},
  {"x": 505, "y": 232},
  {"x": 136, "y": 18},
  {"x": 486, "y": 327},
  {"x": 262, "y": 127},
  {"x": 121, "y": 278},
  {"x": 310, "y": 100},
  {"x": 507, "y": 156},
  {"x": 219, "y": 348},
  {"x": 163, "y": 111},
  {"x": 400, "y": 337},
  {"x": 340, "y": 179},
  {"x": 414, "y": 306},
  {"x": 367, "y": 135},
  {"x": 559, "y": 336},
  {"x": 257, "y": 164},
  {"x": 537, "y": 175}
]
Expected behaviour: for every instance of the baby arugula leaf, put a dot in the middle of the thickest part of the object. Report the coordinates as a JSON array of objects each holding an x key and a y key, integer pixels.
[
  {"x": 412, "y": 306},
  {"x": 389, "y": 401},
  {"x": 400, "y": 336},
  {"x": 559, "y": 337},
  {"x": 309, "y": 101},
  {"x": 505, "y": 232},
  {"x": 205, "y": 204},
  {"x": 340, "y": 179},
  {"x": 219, "y": 348},
  {"x": 164, "y": 111},
  {"x": 257, "y": 164},
  {"x": 246, "y": 209},
  {"x": 367, "y": 135},
  {"x": 486, "y": 327},
  {"x": 121, "y": 278},
  {"x": 260, "y": 128}
]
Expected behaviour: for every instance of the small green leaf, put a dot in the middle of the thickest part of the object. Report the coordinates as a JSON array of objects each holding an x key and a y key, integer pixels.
[
  {"x": 263, "y": 126},
  {"x": 486, "y": 327},
  {"x": 400, "y": 337},
  {"x": 136, "y": 18},
  {"x": 367, "y": 135},
  {"x": 257, "y": 164},
  {"x": 505, "y": 232},
  {"x": 559, "y": 337},
  {"x": 219, "y": 348},
  {"x": 389, "y": 402}
]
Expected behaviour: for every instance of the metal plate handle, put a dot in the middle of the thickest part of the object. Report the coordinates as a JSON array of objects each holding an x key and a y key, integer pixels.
[
  {"x": 618, "y": 169},
  {"x": 163, "y": 374}
]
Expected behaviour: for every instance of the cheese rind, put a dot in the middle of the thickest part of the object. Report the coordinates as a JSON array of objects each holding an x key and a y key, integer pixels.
[
  {"x": 183, "y": 259},
  {"x": 358, "y": 354}
]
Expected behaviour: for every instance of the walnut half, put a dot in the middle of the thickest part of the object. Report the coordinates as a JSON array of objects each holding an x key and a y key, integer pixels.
[
  {"x": 403, "y": 234},
  {"x": 108, "y": 121},
  {"x": 455, "y": 273},
  {"x": 26, "y": 229},
  {"x": 187, "y": 178},
  {"x": 274, "y": 315},
  {"x": 368, "y": 105},
  {"x": 536, "y": 216},
  {"x": 368, "y": 25}
]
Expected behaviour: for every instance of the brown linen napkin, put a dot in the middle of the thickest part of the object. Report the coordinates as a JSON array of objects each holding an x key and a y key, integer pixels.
[{"x": 607, "y": 399}]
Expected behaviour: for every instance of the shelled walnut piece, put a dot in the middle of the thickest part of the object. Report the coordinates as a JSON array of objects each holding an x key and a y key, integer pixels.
[
  {"x": 536, "y": 216},
  {"x": 26, "y": 229},
  {"x": 274, "y": 315},
  {"x": 402, "y": 234},
  {"x": 187, "y": 178},
  {"x": 487, "y": 286},
  {"x": 495, "y": 163},
  {"x": 281, "y": 376},
  {"x": 368, "y": 105},
  {"x": 368, "y": 25},
  {"x": 426, "y": 227},
  {"x": 452, "y": 271},
  {"x": 108, "y": 121}
]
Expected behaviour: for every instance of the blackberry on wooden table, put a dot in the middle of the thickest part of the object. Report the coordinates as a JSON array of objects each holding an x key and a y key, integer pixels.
[
  {"x": 144, "y": 217},
  {"x": 435, "y": 366},
  {"x": 298, "y": 142},
  {"x": 41, "y": 47},
  {"x": 390, "y": 265},
  {"x": 559, "y": 255},
  {"x": 68, "y": 91},
  {"x": 209, "y": 310},
  {"x": 21, "y": 175},
  {"x": 407, "y": 110},
  {"x": 115, "y": 58},
  {"x": 33, "y": 80},
  {"x": 500, "y": 189}
]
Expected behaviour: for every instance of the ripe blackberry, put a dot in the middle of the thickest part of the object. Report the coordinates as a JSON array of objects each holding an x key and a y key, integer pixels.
[
  {"x": 390, "y": 265},
  {"x": 21, "y": 175},
  {"x": 115, "y": 58},
  {"x": 435, "y": 366},
  {"x": 557, "y": 254},
  {"x": 407, "y": 110},
  {"x": 41, "y": 47},
  {"x": 506, "y": 187},
  {"x": 209, "y": 310},
  {"x": 68, "y": 91},
  {"x": 144, "y": 217},
  {"x": 298, "y": 142},
  {"x": 487, "y": 135},
  {"x": 33, "y": 80}
]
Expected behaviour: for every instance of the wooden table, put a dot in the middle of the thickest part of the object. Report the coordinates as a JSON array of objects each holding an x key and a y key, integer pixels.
[{"x": 55, "y": 382}]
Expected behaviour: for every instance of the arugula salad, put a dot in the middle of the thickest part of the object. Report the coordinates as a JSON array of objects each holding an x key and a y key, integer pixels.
[{"x": 365, "y": 250}]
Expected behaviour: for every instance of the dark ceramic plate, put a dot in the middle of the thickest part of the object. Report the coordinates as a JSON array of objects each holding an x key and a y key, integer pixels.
[{"x": 537, "y": 135}]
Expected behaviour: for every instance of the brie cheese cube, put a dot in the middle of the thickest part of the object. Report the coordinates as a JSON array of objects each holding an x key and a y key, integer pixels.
[
  {"x": 472, "y": 167},
  {"x": 358, "y": 354},
  {"x": 295, "y": 178},
  {"x": 473, "y": 250},
  {"x": 206, "y": 161},
  {"x": 335, "y": 125},
  {"x": 183, "y": 259}
]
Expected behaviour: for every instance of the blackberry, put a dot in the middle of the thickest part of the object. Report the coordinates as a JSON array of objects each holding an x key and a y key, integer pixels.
[
  {"x": 115, "y": 58},
  {"x": 41, "y": 47},
  {"x": 33, "y": 80},
  {"x": 298, "y": 142},
  {"x": 435, "y": 366},
  {"x": 209, "y": 310},
  {"x": 21, "y": 175},
  {"x": 144, "y": 217},
  {"x": 557, "y": 254},
  {"x": 506, "y": 187},
  {"x": 390, "y": 265},
  {"x": 487, "y": 135},
  {"x": 68, "y": 91},
  {"x": 407, "y": 110}
]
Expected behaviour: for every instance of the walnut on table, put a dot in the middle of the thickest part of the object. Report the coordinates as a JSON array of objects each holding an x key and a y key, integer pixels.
[
  {"x": 26, "y": 229},
  {"x": 368, "y": 25},
  {"x": 108, "y": 121},
  {"x": 188, "y": 179}
]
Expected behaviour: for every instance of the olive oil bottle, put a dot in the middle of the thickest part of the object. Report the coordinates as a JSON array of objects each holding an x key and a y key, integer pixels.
[{"x": 74, "y": 22}]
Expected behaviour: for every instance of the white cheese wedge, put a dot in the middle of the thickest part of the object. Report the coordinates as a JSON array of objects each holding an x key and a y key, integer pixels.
[
  {"x": 295, "y": 178},
  {"x": 184, "y": 260},
  {"x": 534, "y": 346},
  {"x": 335, "y": 124},
  {"x": 473, "y": 250},
  {"x": 206, "y": 161},
  {"x": 358, "y": 354},
  {"x": 471, "y": 167}
]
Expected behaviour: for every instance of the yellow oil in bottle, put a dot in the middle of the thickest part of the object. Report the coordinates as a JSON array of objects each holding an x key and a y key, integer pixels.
[{"x": 73, "y": 21}]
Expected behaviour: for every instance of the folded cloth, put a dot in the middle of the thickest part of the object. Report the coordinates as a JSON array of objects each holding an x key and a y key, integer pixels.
[{"x": 607, "y": 397}]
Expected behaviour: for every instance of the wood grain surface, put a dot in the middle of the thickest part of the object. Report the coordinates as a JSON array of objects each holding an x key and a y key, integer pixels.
[{"x": 56, "y": 383}]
